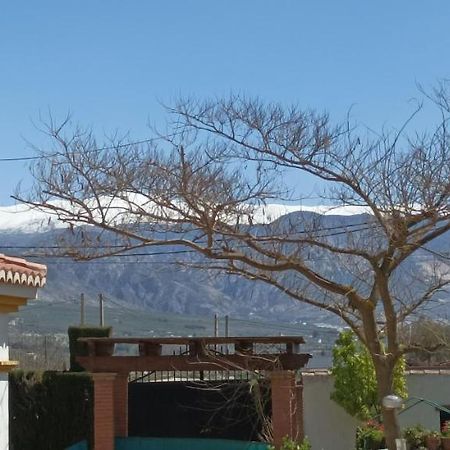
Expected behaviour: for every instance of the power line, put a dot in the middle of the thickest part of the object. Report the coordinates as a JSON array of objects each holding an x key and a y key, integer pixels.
[
  {"x": 66, "y": 263},
  {"x": 127, "y": 255},
  {"x": 316, "y": 230},
  {"x": 269, "y": 237},
  {"x": 119, "y": 255},
  {"x": 100, "y": 149},
  {"x": 165, "y": 262},
  {"x": 435, "y": 253}
]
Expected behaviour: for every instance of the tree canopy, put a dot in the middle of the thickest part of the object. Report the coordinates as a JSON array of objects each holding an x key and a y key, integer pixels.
[
  {"x": 355, "y": 383},
  {"x": 206, "y": 183}
]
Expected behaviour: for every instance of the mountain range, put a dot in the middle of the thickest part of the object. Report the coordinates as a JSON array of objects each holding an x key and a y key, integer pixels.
[{"x": 156, "y": 283}]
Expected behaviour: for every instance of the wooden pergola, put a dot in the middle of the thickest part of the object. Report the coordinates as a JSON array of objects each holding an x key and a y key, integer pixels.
[{"x": 278, "y": 355}]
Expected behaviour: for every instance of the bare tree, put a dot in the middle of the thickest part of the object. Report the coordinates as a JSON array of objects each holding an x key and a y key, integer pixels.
[{"x": 206, "y": 184}]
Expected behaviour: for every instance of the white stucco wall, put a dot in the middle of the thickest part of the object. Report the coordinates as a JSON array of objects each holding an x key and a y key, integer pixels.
[
  {"x": 430, "y": 385},
  {"x": 4, "y": 406},
  {"x": 4, "y": 412},
  {"x": 4, "y": 350},
  {"x": 327, "y": 425}
]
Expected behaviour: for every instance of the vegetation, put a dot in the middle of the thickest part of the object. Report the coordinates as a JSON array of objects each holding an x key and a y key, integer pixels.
[
  {"x": 80, "y": 349},
  {"x": 38, "y": 352},
  {"x": 430, "y": 337},
  {"x": 205, "y": 183},
  {"x": 49, "y": 410},
  {"x": 415, "y": 437},
  {"x": 355, "y": 384},
  {"x": 289, "y": 444},
  {"x": 370, "y": 436}
]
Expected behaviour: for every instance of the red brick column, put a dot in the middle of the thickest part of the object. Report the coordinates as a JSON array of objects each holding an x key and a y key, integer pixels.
[
  {"x": 286, "y": 408},
  {"x": 121, "y": 405},
  {"x": 104, "y": 410}
]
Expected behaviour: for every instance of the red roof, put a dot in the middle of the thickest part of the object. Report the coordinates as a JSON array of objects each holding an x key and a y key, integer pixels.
[{"x": 22, "y": 272}]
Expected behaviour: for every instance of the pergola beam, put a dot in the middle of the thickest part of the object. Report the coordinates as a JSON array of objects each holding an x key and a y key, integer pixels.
[{"x": 117, "y": 364}]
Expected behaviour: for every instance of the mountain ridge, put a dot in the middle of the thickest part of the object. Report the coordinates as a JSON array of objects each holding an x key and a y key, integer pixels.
[{"x": 156, "y": 282}]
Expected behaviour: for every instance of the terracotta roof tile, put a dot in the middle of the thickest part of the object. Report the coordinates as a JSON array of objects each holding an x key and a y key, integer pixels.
[{"x": 20, "y": 271}]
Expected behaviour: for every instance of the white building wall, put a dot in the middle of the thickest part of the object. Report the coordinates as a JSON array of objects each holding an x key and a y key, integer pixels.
[
  {"x": 433, "y": 386},
  {"x": 4, "y": 412},
  {"x": 326, "y": 424},
  {"x": 329, "y": 427},
  {"x": 4, "y": 343},
  {"x": 4, "y": 405}
]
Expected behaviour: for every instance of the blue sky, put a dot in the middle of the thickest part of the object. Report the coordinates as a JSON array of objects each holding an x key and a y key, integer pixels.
[{"x": 111, "y": 62}]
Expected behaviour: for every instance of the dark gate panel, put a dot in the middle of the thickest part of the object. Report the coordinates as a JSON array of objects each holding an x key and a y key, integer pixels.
[{"x": 190, "y": 409}]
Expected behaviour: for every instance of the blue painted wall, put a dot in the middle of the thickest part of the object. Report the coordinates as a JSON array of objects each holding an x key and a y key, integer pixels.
[
  {"x": 80, "y": 446},
  {"x": 135, "y": 443}
]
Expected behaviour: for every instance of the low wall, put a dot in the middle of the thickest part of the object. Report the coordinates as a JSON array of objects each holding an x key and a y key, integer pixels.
[
  {"x": 329, "y": 427},
  {"x": 326, "y": 424},
  {"x": 434, "y": 387}
]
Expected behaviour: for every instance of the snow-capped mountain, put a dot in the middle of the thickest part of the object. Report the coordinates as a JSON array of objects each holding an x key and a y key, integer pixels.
[{"x": 153, "y": 282}]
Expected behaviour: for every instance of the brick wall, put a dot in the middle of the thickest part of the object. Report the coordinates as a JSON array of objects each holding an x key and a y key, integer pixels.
[
  {"x": 104, "y": 384},
  {"x": 121, "y": 405},
  {"x": 287, "y": 414}
]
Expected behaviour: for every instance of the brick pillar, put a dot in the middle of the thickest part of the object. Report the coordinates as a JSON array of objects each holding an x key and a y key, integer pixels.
[
  {"x": 104, "y": 384},
  {"x": 286, "y": 408},
  {"x": 121, "y": 405}
]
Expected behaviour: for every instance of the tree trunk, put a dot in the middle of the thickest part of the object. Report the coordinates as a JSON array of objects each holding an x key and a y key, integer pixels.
[{"x": 384, "y": 370}]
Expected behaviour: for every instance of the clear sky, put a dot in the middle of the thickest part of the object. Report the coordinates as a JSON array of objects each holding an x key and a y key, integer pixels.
[{"x": 111, "y": 62}]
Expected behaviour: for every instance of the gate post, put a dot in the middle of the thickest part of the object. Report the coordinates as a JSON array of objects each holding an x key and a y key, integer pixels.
[
  {"x": 121, "y": 405},
  {"x": 286, "y": 407},
  {"x": 104, "y": 410}
]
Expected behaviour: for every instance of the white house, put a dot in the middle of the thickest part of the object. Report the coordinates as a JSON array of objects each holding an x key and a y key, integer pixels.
[{"x": 19, "y": 282}]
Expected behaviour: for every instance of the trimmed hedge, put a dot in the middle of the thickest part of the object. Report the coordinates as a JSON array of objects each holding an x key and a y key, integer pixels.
[
  {"x": 50, "y": 410},
  {"x": 79, "y": 348}
]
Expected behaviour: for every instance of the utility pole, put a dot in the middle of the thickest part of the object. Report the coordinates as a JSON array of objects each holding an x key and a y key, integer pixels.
[
  {"x": 216, "y": 325},
  {"x": 227, "y": 326},
  {"x": 82, "y": 309},
  {"x": 102, "y": 316}
]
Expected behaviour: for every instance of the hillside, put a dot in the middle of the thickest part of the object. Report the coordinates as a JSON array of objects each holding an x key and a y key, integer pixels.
[{"x": 155, "y": 282}]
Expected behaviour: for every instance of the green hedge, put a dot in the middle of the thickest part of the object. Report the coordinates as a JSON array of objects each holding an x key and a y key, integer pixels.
[
  {"x": 50, "y": 410},
  {"x": 79, "y": 348}
]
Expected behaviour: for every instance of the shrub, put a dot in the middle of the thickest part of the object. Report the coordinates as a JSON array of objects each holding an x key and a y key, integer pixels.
[
  {"x": 289, "y": 444},
  {"x": 50, "y": 410},
  {"x": 415, "y": 437},
  {"x": 370, "y": 436},
  {"x": 79, "y": 348}
]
